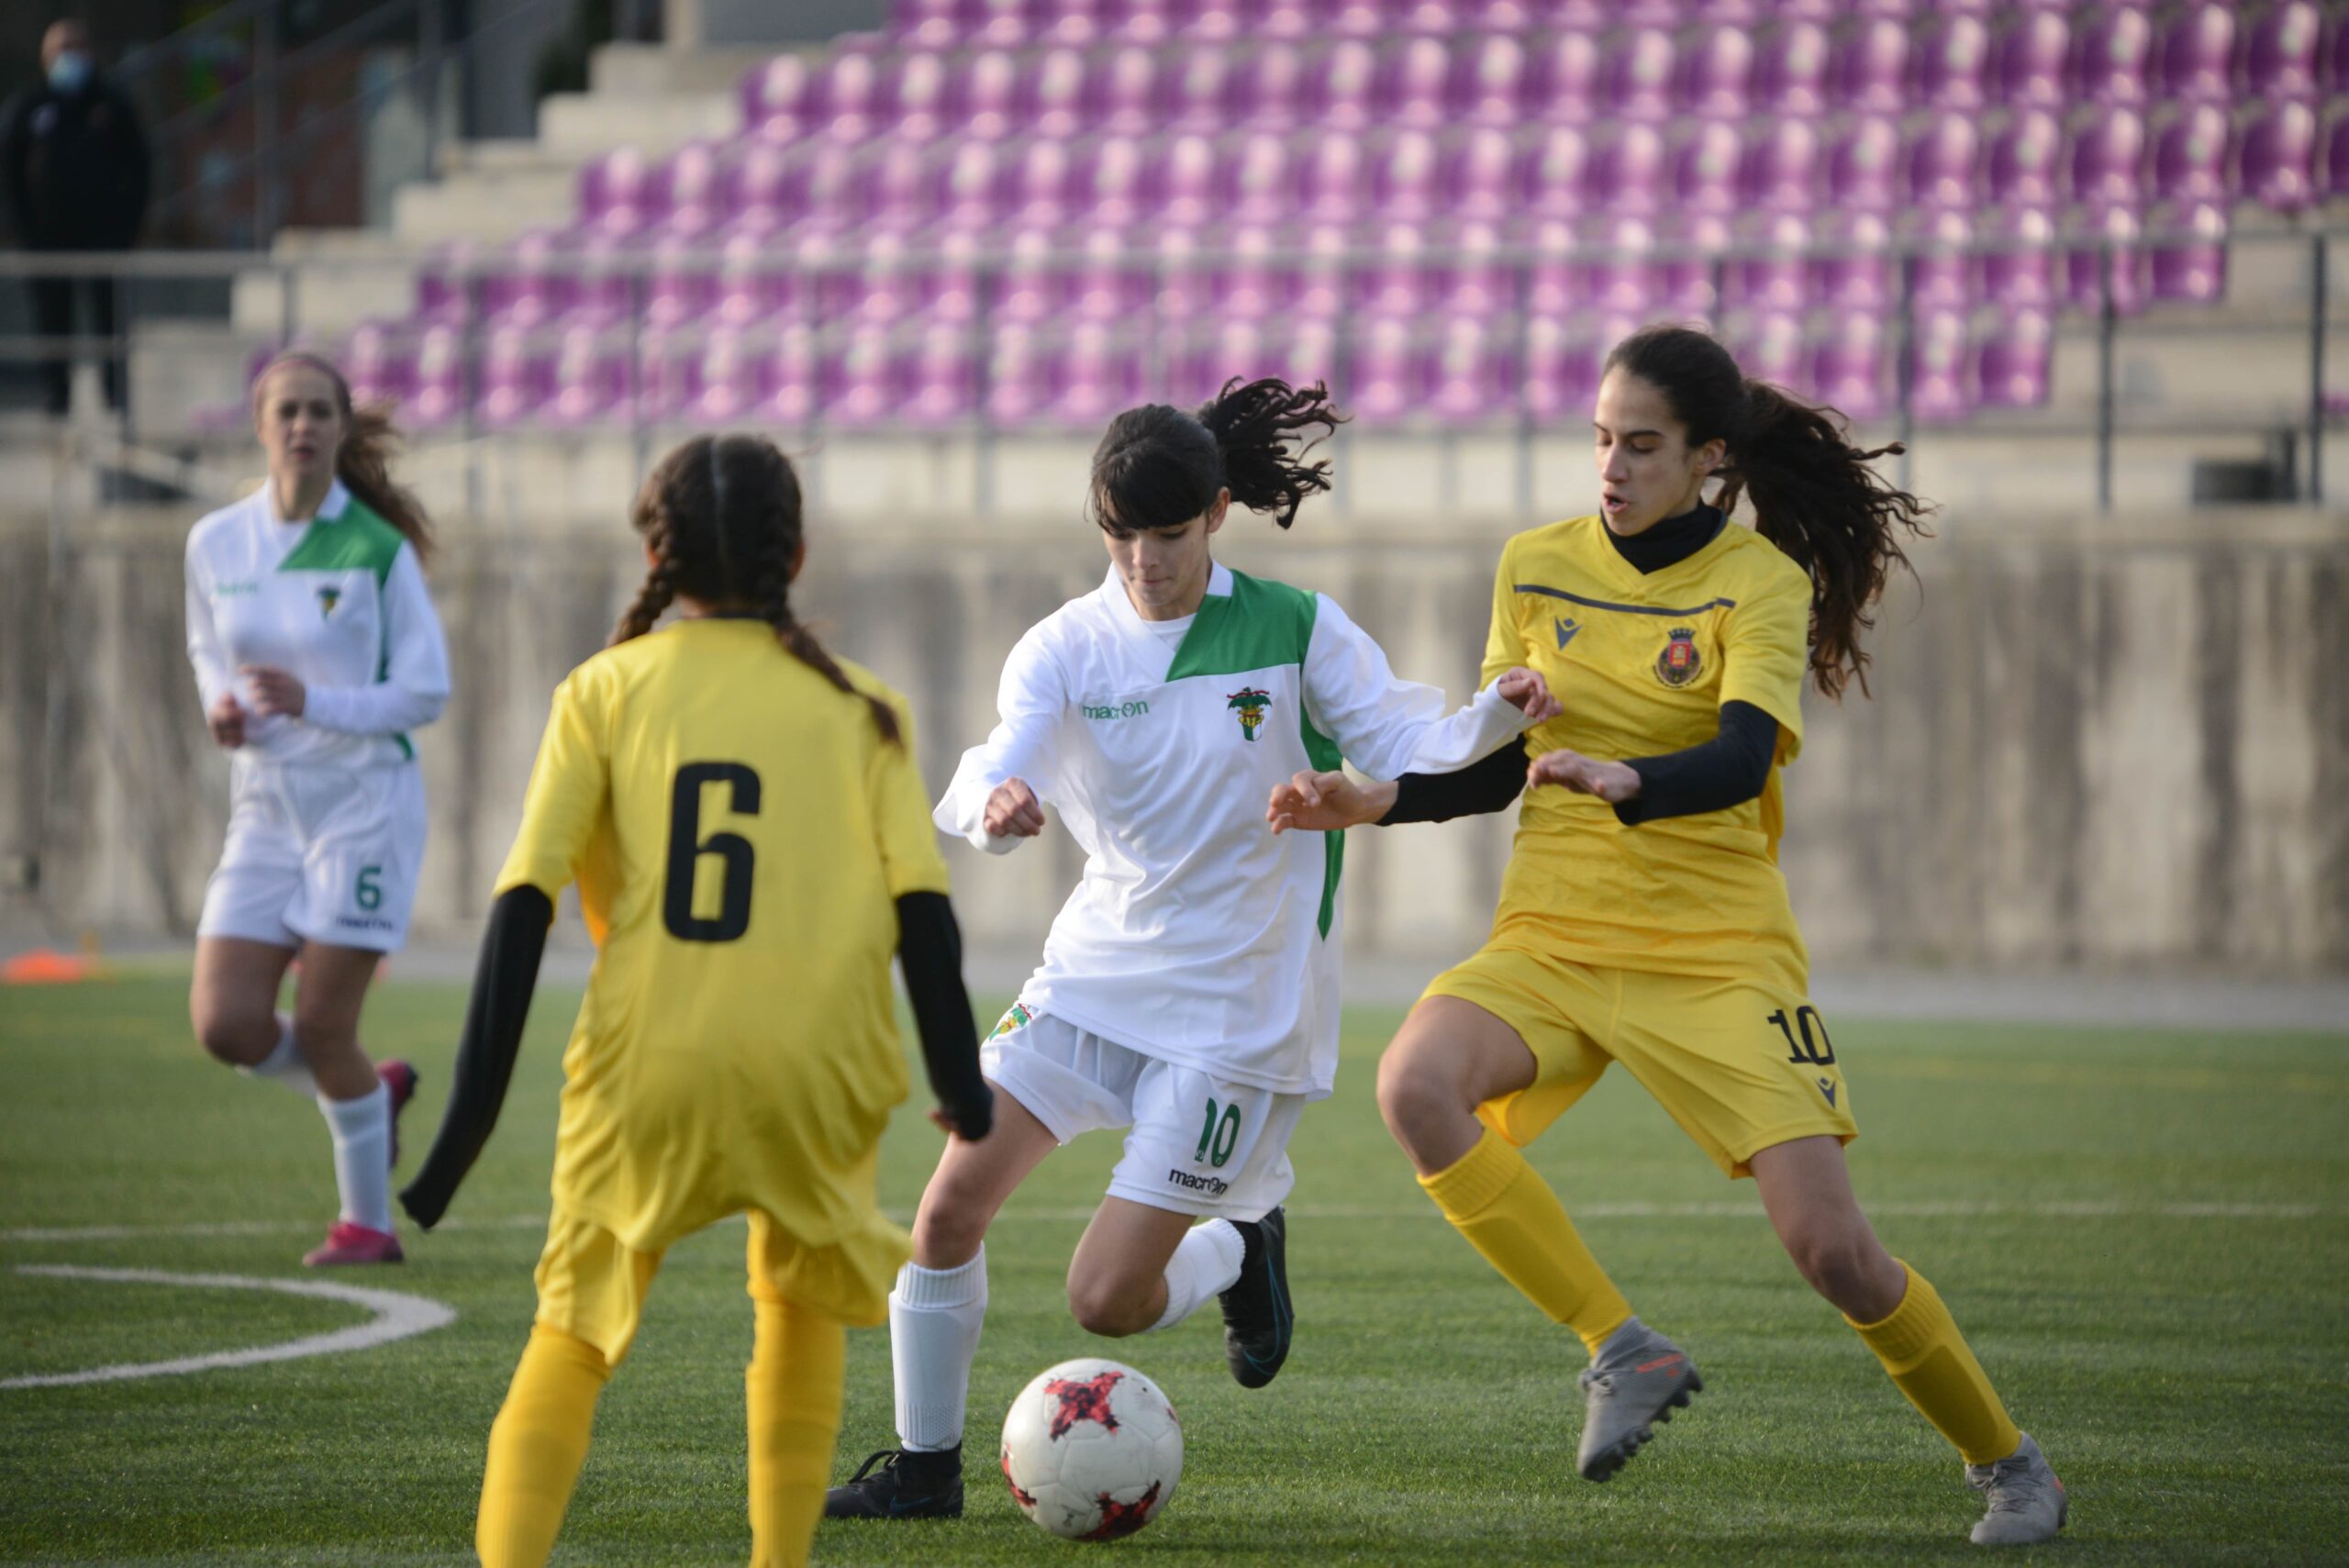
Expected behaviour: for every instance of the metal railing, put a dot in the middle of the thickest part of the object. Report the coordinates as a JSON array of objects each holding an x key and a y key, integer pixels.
[{"x": 477, "y": 279}]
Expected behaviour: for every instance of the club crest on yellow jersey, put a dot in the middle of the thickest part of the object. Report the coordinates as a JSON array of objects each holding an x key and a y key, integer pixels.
[
  {"x": 1679, "y": 664},
  {"x": 1250, "y": 702}
]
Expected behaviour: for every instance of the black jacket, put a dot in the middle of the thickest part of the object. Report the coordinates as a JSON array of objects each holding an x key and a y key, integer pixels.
[{"x": 75, "y": 168}]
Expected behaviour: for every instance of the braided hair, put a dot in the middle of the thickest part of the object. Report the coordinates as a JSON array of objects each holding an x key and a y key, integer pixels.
[
  {"x": 1814, "y": 494},
  {"x": 720, "y": 516},
  {"x": 1158, "y": 467}
]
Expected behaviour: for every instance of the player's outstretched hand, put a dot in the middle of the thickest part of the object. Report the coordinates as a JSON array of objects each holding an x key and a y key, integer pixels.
[
  {"x": 274, "y": 689},
  {"x": 1527, "y": 692},
  {"x": 1321, "y": 803},
  {"x": 1013, "y": 811},
  {"x": 1613, "y": 783},
  {"x": 227, "y": 721}
]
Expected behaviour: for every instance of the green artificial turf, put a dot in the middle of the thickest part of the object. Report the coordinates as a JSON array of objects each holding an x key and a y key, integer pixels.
[{"x": 2146, "y": 1236}]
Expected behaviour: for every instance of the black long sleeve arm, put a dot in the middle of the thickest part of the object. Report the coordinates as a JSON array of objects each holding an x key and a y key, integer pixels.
[
  {"x": 1480, "y": 787},
  {"x": 929, "y": 951},
  {"x": 504, "y": 982},
  {"x": 1728, "y": 770}
]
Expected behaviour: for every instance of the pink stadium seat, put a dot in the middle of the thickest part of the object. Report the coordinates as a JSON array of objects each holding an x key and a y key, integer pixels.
[
  {"x": 894, "y": 184},
  {"x": 1557, "y": 277},
  {"x": 1782, "y": 165},
  {"x": 1862, "y": 166},
  {"x": 943, "y": 377},
  {"x": 1324, "y": 284},
  {"x": 787, "y": 376},
  {"x": 1335, "y": 180},
  {"x": 1942, "y": 161},
  {"x": 1858, "y": 274},
  {"x": 1140, "y": 21},
  {"x": 990, "y": 98},
  {"x": 1470, "y": 373},
  {"x": 1390, "y": 372},
  {"x": 2280, "y": 158},
  {"x": 1943, "y": 274},
  {"x": 1792, "y": 75},
  {"x": 2197, "y": 53},
  {"x": 2021, "y": 270},
  {"x": 1490, "y": 81},
  {"x": 971, "y": 185},
  {"x": 863, "y": 382},
  {"x": 851, "y": 97},
  {"x": 1715, "y": 74},
  {"x": 1847, "y": 369},
  {"x": 1250, "y": 279},
  {"x": 1185, "y": 179},
  {"x": 1554, "y": 172},
  {"x": 1052, "y": 93},
  {"x": 1628, "y": 173},
  {"x": 1031, "y": 286},
  {"x": 1944, "y": 379},
  {"x": 1042, "y": 187},
  {"x": 1637, "y": 78},
  {"x": 591, "y": 379},
  {"x": 526, "y": 285},
  {"x": 1952, "y": 66},
  {"x": 2017, "y": 359},
  {"x": 2190, "y": 156},
  {"x": 1778, "y": 276},
  {"x": 379, "y": 363},
  {"x": 1341, "y": 85},
  {"x": 780, "y": 98},
  {"x": 922, "y": 99},
  {"x": 1475, "y": 282},
  {"x": 1122, "y": 95},
  {"x": 2112, "y": 56},
  {"x": 439, "y": 394},
  {"x": 617, "y": 193},
  {"x": 2188, "y": 259},
  {"x": 1404, "y": 169},
  {"x": 1095, "y": 377},
  {"x": 2027, "y": 161},
  {"x": 752, "y": 283},
  {"x": 1705, "y": 168},
  {"x": 1770, "y": 347},
  {"x": 515, "y": 378},
  {"x": 1479, "y": 167},
  {"x": 1258, "y": 178},
  {"x": 2031, "y": 60},
  {"x": 1273, "y": 87},
  {"x": 1410, "y": 89},
  {"x": 2108, "y": 159},
  {"x": 927, "y": 24},
  {"x": 1627, "y": 277},
  {"x": 1398, "y": 276},
  {"x": 2118, "y": 229},
  {"x": 1562, "y": 363},
  {"x": 1005, "y": 24},
  {"x": 1197, "y": 89},
  {"x": 1115, "y": 185},
  {"x": 1871, "y": 67},
  {"x": 1565, "y": 79},
  {"x": 1697, "y": 244}
]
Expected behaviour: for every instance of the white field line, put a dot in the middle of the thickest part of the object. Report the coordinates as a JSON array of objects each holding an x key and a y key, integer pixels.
[
  {"x": 2080, "y": 1208},
  {"x": 396, "y": 1317}
]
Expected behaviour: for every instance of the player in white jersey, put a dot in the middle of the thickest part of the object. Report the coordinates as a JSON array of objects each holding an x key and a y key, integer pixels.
[
  {"x": 1188, "y": 991},
  {"x": 316, "y": 653}
]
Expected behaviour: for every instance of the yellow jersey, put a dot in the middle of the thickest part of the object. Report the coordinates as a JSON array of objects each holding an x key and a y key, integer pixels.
[
  {"x": 1643, "y": 664},
  {"x": 739, "y": 830}
]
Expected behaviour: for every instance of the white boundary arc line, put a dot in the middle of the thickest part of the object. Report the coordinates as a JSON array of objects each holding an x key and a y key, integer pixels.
[
  {"x": 1955, "y": 1208},
  {"x": 397, "y": 1316}
]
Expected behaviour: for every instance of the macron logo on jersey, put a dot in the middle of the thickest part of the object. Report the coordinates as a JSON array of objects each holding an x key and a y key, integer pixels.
[
  {"x": 1566, "y": 628},
  {"x": 1115, "y": 710}
]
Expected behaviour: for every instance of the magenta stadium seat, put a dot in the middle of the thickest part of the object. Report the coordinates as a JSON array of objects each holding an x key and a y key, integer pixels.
[
  {"x": 2188, "y": 255},
  {"x": 1096, "y": 376},
  {"x": 987, "y": 96},
  {"x": 1042, "y": 187},
  {"x": 1403, "y": 174},
  {"x": 1858, "y": 273},
  {"x": 1577, "y": 16},
  {"x": 1951, "y": 68},
  {"x": 1782, "y": 166},
  {"x": 1664, "y": 15},
  {"x": 1221, "y": 21},
  {"x": 1005, "y": 24},
  {"x": 1398, "y": 275},
  {"x": 1897, "y": 10},
  {"x": 2016, "y": 361},
  {"x": 1140, "y": 21},
  {"x": 1491, "y": 78},
  {"x": 752, "y": 284},
  {"x": 2334, "y": 64},
  {"x": 591, "y": 379},
  {"x": 1478, "y": 168},
  {"x": 1195, "y": 92},
  {"x": 863, "y": 377},
  {"x": 1122, "y": 94},
  {"x": 942, "y": 377},
  {"x": 780, "y": 98},
  {"x": 1114, "y": 187},
  {"x": 1731, "y": 13},
  {"x": 2027, "y": 161},
  {"x": 1561, "y": 366},
  {"x": 1250, "y": 278},
  {"x": 1554, "y": 173},
  {"x": 1184, "y": 178},
  {"x": 1778, "y": 277},
  {"x": 1942, "y": 273},
  {"x": 895, "y": 186},
  {"x": 760, "y": 183},
  {"x": 525, "y": 285},
  {"x": 2120, "y": 230},
  {"x": 2113, "y": 57},
  {"x": 1474, "y": 281},
  {"x": 1624, "y": 274},
  {"x": 2108, "y": 160},
  {"x": 2190, "y": 156},
  {"x": 1692, "y": 273},
  {"x": 1334, "y": 182},
  {"x": 1705, "y": 169},
  {"x": 1944, "y": 373},
  {"x": 788, "y": 377},
  {"x": 727, "y": 380},
  {"x": 516, "y": 379},
  {"x": 1411, "y": 85},
  {"x": 2029, "y": 72},
  {"x": 1636, "y": 81},
  {"x": 1051, "y": 94},
  {"x": 1558, "y": 275},
  {"x": 1792, "y": 75},
  {"x": 1323, "y": 280},
  {"x": 1715, "y": 74},
  {"x": 697, "y": 182},
  {"x": 1257, "y": 178},
  {"x": 1770, "y": 347},
  {"x": 2022, "y": 269},
  {"x": 1846, "y": 371},
  {"x": 1565, "y": 79},
  {"x": 378, "y": 362},
  {"x": 438, "y": 396},
  {"x": 1943, "y": 160},
  {"x": 927, "y": 24},
  {"x": 851, "y": 96},
  {"x": 923, "y": 99},
  {"x": 2336, "y": 159},
  {"x": 1271, "y": 89},
  {"x": 1862, "y": 167},
  {"x": 1340, "y": 86},
  {"x": 891, "y": 285},
  {"x": 2278, "y": 168},
  {"x": 2197, "y": 53},
  {"x": 1808, "y": 10},
  {"x": 1472, "y": 375},
  {"x": 618, "y": 195},
  {"x": 1628, "y": 172},
  {"x": 680, "y": 283},
  {"x": 1030, "y": 286},
  {"x": 1388, "y": 383},
  {"x": 971, "y": 185},
  {"x": 1871, "y": 67}
]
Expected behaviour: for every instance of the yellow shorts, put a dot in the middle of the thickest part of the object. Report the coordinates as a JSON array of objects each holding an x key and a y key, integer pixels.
[
  {"x": 592, "y": 1284},
  {"x": 1740, "y": 1064}
]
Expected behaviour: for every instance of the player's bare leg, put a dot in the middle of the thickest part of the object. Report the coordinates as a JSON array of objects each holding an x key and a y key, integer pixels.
[
  {"x": 935, "y": 1315},
  {"x": 233, "y": 1005},
  {"x": 1806, "y": 1188},
  {"x": 1449, "y": 1057},
  {"x": 354, "y": 1099}
]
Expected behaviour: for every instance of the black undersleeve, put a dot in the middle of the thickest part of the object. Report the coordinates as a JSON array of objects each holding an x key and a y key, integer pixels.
[
  {"x": 1728, "y": 770},
  {"x": 930, "y": 952}
]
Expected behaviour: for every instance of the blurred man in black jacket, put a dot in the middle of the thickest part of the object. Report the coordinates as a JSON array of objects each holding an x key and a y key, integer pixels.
[{"x": 74, "y": 159}]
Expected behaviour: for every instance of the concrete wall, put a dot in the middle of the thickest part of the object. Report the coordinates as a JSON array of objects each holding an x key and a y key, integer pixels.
[{"x": 2122, "y": 743}]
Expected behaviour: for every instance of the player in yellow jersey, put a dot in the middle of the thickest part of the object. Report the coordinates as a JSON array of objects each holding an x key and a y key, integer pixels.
[
  {"x": 1643, "y": 918},
  {"x": 752, "y": 843}
]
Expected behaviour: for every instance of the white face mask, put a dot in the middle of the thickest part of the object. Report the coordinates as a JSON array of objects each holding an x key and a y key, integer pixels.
[{"x": 71, "y": 71}]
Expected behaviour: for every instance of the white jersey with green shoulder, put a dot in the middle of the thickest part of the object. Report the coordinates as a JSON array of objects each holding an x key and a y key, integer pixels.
[
  {"x": 1196, "y": 935},
  {"x": 340, "y": 602}
]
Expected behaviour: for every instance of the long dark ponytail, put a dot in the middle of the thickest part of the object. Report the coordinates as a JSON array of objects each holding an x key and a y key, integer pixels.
[
  {"x": 1158, "y": 467},
  {"x": 721, "y": 517},
  {"x": 1814, "y": 494}
]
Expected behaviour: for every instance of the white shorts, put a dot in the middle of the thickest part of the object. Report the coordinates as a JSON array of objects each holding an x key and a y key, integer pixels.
[
  {"x": 328, "y": 855},
  {"x": 1195, "y": 1143}
]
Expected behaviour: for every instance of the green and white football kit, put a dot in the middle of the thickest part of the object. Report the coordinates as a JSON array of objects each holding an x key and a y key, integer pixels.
[{"x": 326, "y": 818}]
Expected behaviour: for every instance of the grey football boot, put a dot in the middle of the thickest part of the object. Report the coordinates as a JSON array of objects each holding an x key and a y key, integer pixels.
[
  {"x": 1638, "y": 1378},
  {"x": 2027, "y": 1503}
]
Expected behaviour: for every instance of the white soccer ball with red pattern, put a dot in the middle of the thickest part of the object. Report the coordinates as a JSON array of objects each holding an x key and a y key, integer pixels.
[{"x": 1092, "y": 1450}]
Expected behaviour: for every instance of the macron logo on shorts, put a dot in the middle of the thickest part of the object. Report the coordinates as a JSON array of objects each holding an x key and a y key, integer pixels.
[{"x": 1214, "y": 1186}]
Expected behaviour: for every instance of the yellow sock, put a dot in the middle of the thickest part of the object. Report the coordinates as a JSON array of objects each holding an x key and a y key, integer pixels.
[
  {"x": 1929, "y": 1360},
  {"x": 798, "y": 1362},
  {"x": 1509, "y": 1213},
  {"x": 535, "y": 1447}
]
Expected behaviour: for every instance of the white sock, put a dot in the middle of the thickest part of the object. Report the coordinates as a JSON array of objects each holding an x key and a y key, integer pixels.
[
  {"x": 934, "y": 1320},
  {"x": 1205, "y": 1265},
  {"x": 284, "y": 1065},
  {"x": 362, "y": 1155}
]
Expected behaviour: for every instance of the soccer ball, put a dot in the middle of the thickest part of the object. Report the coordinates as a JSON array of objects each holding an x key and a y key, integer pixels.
[{"x": 1092, "y": 1450}]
